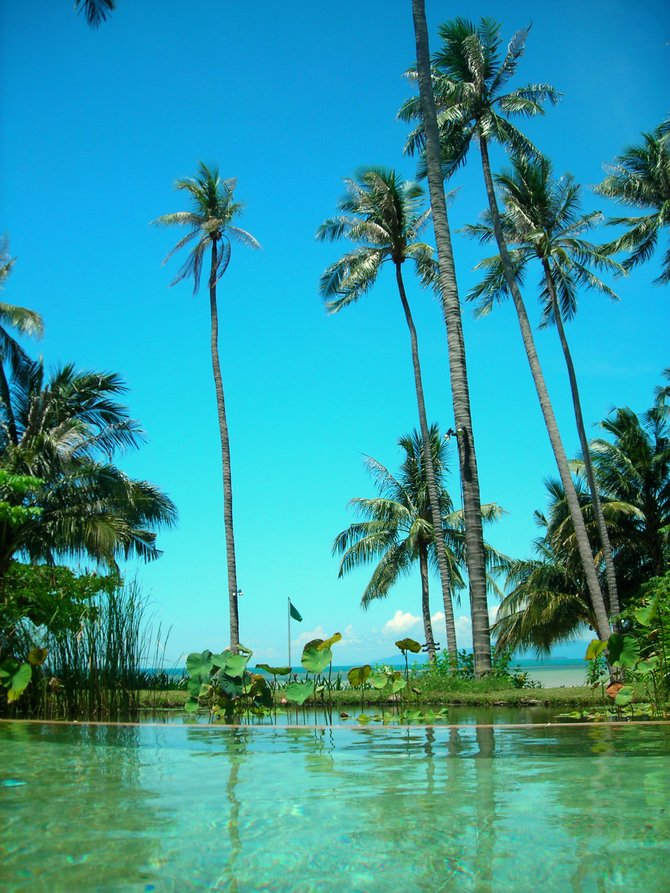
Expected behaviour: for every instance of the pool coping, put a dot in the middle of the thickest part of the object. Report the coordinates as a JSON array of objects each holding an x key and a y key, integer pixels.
[{"x": 366, "y": 726}]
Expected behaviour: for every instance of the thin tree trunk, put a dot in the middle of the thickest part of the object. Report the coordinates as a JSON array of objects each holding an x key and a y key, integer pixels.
[
  {"x": 610, "y": 574},
  {"x": 472, "y": 511},
  {"x": 6, "y": 399},
  {"x": 581, "y": 535},
  {"x": 433, "y": 496},
  {"x": 425, "y": 603},
  {"x": 225, "y": 459}
]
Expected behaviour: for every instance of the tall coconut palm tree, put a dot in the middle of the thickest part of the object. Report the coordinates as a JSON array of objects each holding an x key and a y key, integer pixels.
[
  {"x": 451, "y": 307},
  {"x": 470, "y": 76},
  {"x": 640, "y": 178},
  {"x": 543, "y": 221},
  {"x": 210, "y": 224},
  {"x": 397, "y": 530},
  {"x": 383, "y": 216},
  {"x": 63, "y": 434}
]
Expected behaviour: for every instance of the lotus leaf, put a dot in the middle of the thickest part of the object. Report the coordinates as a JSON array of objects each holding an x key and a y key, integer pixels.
[
  {"x": 235, "y": 664},
  {"x": 315, "y": 659},
  {"x": 191, "y": 705},
  {"x": 409, "y": 645},
  {"x": 623, "y": 651},
  {"x": 624, "y": 696},
  {"x": 199, "y": 664},
  {"x": 595, "y": 649},
  {"x": 379, "y": 680},
  {"x": 274, "y": 671},
  {"x": 37, "y": 656},
  {"x": 337, "y": 637},
  {"x": 359, "y": 675},
  {"x": 298, "y": 692},
  {"x": 19, "y": 682},
  {"x": 398, "y": 685}
]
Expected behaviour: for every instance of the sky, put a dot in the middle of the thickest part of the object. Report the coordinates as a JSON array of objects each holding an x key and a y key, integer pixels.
[{"x": 290, "y": 99}]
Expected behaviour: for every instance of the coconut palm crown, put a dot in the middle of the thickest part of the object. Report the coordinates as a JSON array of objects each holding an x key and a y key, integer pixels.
[
  {"x": 470, "y": 77},
  {"x": 640, "y": 178}
]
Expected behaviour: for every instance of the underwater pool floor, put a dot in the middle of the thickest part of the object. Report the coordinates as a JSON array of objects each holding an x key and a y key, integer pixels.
[{"x": 482, "y": 809}]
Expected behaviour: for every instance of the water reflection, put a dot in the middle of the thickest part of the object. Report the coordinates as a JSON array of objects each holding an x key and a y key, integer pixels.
[{"x": 466, "y": 809}]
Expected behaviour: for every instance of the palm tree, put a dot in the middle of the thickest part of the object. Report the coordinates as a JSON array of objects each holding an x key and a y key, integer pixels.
[
  {"x": 24, "y": 321},
  {"x": 469, "y": 77},
  {"x": 382, "y": 215},
  {"x": 543, "y": 221},
  {"x": 475, "y": 554},
  {"x": 210, "y": 223},
  {"x": 61, "y": 433},
  {"x": 641, "y": 178},
  {"x": 95, "y": 11},
  {"x": 549, "y": 600},
  {"x": 398, "y": 527}
]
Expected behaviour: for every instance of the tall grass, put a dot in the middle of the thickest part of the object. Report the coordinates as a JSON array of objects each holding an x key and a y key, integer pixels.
[{"x": 97, "y": 671}]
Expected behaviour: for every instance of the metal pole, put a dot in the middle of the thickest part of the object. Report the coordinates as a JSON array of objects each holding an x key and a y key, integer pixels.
[{"x": 289, "y": 633}]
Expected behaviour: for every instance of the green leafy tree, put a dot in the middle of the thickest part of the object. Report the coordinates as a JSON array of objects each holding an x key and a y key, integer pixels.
[
  {"x": 548, "y": 601},
  {"x": 543, "y": 222},
  {"x": 397, "y": 530},
  {"x": 640, "y": 178},
  {"x": 210, "y": 227},
  {"x": 58, "y": 435},
  {"x": 451, "y": 306},
  {"x": 382, "y": 215},
  {"x": 469, "y": 75}
]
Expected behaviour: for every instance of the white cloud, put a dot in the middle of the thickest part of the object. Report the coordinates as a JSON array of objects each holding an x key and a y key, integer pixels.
[
  {"x": 317, "y": 633},
  {"x": 401, "y": 622},
  {"x": 438, "y": 617}
]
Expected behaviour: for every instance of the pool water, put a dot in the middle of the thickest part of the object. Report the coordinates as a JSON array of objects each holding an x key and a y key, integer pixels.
[{"x": 295, "y": 810}]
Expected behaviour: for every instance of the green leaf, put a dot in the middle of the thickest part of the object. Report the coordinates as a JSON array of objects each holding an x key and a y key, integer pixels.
[
  {"x": 37, "y": 656},
  {"x": 624, "y": 696},
  {"x": 274, "y": 671},
  {"x": 219, "y": 660},
  {"x": 337, "y": 637},
  {"x": 230, "y": 685},
  {"x": 595, "y": 649},
  {"x": 199, "y": 664},
  {"x": 398, "y": 685},
  {"x": 298, "y": 692},
  {"x": 409, "y": 645},
  {"x": 20, "y": 681},
  {"x": 235, "y": 664},
  {"x": 623, "y": 651},
  {"x": 191, "y": 705},
  {"x": 315, "y": 659},
  {"x": 363, "y": 718},
  {"x": 379, "y": 680},
  {"x": 648, "y": 666},
  {"x": 359, "y": 675}
]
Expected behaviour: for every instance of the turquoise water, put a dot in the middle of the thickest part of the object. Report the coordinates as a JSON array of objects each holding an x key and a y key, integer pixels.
[{"x": 296, "y": 810}]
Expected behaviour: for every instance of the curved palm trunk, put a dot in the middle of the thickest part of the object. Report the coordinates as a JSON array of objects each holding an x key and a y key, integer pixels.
[
  {"x": 225, "y": 459},
  {"x": 610, "y": 574},
  {"x": 472, "y": 511},
  {"x": 425, "y": 603},
  {"x": 6, "y": 399},
  {"x": 433, "y": 496},
  {"x": 581, "y": 535}
]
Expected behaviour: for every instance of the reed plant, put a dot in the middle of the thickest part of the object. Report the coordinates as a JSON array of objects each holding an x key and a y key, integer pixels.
[{"x": 97, "y": 671}]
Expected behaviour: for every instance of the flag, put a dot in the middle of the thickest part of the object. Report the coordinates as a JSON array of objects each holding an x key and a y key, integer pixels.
[{"x": 294, "y": 612}]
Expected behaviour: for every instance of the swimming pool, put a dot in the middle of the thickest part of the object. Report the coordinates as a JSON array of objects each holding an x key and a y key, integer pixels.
[{"x": 294, "y": 810}]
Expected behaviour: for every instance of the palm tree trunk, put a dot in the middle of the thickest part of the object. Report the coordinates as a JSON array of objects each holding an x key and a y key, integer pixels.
[
  {"x": 610, "y": 574},
  {"x": 433, "y": 496},
  {"x": 6, "y": 399},
  {"x": 581, "y": 535},
  {"x": 225, "y": 459},
  {"x": 425, "y": 603},
  {"x": 472, "y": 510}
]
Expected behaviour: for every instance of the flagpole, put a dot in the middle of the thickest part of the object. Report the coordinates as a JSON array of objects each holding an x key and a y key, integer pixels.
[{"x": 289, "y": 633}]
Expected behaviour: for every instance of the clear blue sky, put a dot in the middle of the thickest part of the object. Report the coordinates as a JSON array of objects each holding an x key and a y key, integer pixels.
[{"x": 290, "y": 98}]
